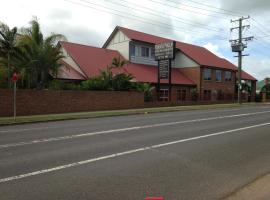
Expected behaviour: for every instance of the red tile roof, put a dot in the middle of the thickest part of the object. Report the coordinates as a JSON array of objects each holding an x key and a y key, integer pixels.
[
  {"x": 90, "y": 59},
  {"x": 68, "y": 72},
  {"x": 146, "y": 73},
  {"x": 200, "y": 55},
  {"x": 246, "y": 76}
]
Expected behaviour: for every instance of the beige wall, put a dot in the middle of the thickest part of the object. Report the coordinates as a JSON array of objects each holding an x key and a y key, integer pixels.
[
  {"x": 120, "y": 42},
  {"x": 181, "y": 60}
]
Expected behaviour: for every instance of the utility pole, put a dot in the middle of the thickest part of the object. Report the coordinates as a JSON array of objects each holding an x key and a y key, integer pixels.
[{"x": 238, "y": 45}]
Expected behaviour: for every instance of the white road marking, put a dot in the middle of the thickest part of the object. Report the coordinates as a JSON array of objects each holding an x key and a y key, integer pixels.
[
  {"x": 61, "y": 167},
  {"x": 125, "y": 130},
  {"x": 64, "y": 126}
]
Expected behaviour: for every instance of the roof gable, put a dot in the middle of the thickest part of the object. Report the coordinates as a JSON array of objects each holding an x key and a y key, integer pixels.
[
  {"x": 200, "y": 55},
  {"x": 90, "y": 59}
]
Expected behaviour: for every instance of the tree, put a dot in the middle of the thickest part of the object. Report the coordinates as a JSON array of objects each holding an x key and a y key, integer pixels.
[
  {"x": 117, "y": 63},
  {"x": 8, "y": 38},
  {"x": 41, "y": 54}
]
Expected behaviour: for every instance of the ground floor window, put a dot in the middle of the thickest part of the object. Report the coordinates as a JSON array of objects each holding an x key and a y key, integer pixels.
[
  {"x": 207, "y": 95},
  {"x": 164, "y": 95},
  {"x": 181, "y": 95}
]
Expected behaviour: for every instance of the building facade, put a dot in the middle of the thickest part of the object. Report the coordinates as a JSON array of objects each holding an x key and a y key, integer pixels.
[{"x": 197, "y": 74}]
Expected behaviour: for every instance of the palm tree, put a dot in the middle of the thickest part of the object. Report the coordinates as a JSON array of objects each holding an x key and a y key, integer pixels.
[
  {"x": 42, "y": 53},
  {"x": 8, "y": 39},
  {"x": 117, "y": 62}
]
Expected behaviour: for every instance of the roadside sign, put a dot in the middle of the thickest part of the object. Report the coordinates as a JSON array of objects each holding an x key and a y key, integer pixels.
[
  {"x": 165, "y": 51},
  {"x": 15, "y": 77},
  {"x": 164, "y": 68},
  {"x": 164, "y": 54},
  {"x": 154, "y": 198}
]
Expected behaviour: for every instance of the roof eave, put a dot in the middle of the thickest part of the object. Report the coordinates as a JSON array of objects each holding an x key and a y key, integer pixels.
[{"x": 117, "y": 28}]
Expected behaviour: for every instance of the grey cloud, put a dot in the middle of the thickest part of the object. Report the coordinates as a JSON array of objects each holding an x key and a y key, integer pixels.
[
  {"x": 77, "y": 34},
  {"x": 247, "y": 6},
  {"x": 59, "y": 14}
]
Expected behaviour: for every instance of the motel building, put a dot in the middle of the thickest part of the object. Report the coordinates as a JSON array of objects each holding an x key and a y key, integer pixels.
[{"x": 197, "y": 74}]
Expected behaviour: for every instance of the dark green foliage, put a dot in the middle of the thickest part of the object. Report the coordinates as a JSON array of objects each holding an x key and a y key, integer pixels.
[
  {"x": 61, "y": 85},
  {"x": 266, "y": 89},
  {"x": 3, "y": 78},
  {"x": 258, "y": 98},
  {"x": 30, "y": 54},
  {"x": 194, "y": 94},
  {"x": 95, "y": 83},
  {"x": 146, "y": 88},
  {"x": 122, "y": 82}
]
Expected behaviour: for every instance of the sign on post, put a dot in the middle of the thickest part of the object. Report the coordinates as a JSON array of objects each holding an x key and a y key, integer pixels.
[
  {"x": 164, "y": 68},
  {"x": 14, "y": 79},
  {"x": 164, "y": 54},
  {"x": 165, "y": 51}
]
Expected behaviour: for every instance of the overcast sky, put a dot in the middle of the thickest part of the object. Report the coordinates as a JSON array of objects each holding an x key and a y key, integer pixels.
[{"x": 206, "y": 23}]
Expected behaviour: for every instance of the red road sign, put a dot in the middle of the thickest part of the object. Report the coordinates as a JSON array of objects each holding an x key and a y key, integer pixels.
[
  {"x": 14, "y": 77},
  {"x": 154, "y": 198}
]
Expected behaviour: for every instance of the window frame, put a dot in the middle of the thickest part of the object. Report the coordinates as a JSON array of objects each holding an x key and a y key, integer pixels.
[
  {"x": 220, "y": 71},
  {"x": 208, "y": 72},
  {"x": 147, "y": 53},
  {"x": 182, "y": 95},
  {"x": 132, "y": 48},
  {"x": 164, "y": 94},
  {"x": 228, "y": 79}
]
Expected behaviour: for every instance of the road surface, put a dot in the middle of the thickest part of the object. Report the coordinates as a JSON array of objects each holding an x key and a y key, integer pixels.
[{"x": 203, "y": 154}]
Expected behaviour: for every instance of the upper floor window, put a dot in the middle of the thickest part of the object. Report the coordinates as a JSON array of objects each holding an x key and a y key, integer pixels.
[
  {"x": 218, "y": 75},
  {"x": 153, "y": 53},
  {"x": 228, "y": 76},
  {"x": 132, "y": 50},
  {"x": 207, "y": 74},
  {"x": 145, "y": 52}
]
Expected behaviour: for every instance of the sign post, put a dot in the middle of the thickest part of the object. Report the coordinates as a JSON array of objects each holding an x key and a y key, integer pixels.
[
  {"x": 14, "y": 79},
  {"x": 164, "y": 54}
]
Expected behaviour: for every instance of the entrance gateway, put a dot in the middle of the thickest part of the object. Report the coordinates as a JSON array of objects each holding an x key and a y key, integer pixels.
[{"x": 164, "y": 54}]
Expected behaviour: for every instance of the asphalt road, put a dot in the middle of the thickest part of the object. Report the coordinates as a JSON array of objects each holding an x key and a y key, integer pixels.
[{"x": 206, "y": 154}]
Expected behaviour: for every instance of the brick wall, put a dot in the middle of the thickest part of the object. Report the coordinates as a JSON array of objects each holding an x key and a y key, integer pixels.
[
  {"x": 33, "y": 102},
  {"x": 227, "y": 87}
]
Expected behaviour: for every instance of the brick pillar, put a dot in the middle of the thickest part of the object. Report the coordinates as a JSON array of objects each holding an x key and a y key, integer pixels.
[
  {"x": 263, "y": 97},
  {"x": 253, "y": 91}
]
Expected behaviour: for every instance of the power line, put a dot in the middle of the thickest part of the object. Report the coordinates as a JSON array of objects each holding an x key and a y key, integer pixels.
[
  {"x": 211, "y": 6},
  {"x": 181, "y": 20},
  {"x": 200, "y": 8},
  {"x": 196, "y": 12},
  {"x": 127, "y": 16}
]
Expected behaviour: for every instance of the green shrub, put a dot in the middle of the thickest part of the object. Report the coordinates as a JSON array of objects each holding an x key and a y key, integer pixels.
[
  {"x": 56, "y": 85},
  {"x": 258, "y": 97},
  {"x": 146, "y": 88},
  {"x": 122, "y": 82},
  {"x": 95, "y": 83}
]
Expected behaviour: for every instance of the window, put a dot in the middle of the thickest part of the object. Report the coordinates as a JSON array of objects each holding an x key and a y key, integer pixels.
[
  {"x": 207, "y": 95},
  {"x": 228, "y": 76},
  {"x": 181, "y": 95},
  {"x": 207, "y": 74},
  {"x": 152, "y": 53},
  {"x": 163, "y": 94},
  {"x": 218, "y": 75},
  {"x": 132, "y": 50},
  {"x": 145, "y": 52}
]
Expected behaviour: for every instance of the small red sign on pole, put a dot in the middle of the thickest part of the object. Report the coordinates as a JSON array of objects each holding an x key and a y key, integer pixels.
[
  {"x": 154, "y": 198},
  {"x": 14, "y": 77}
]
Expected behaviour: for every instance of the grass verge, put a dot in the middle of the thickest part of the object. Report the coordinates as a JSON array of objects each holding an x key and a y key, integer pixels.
[{"x": 95, "y": 114}]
